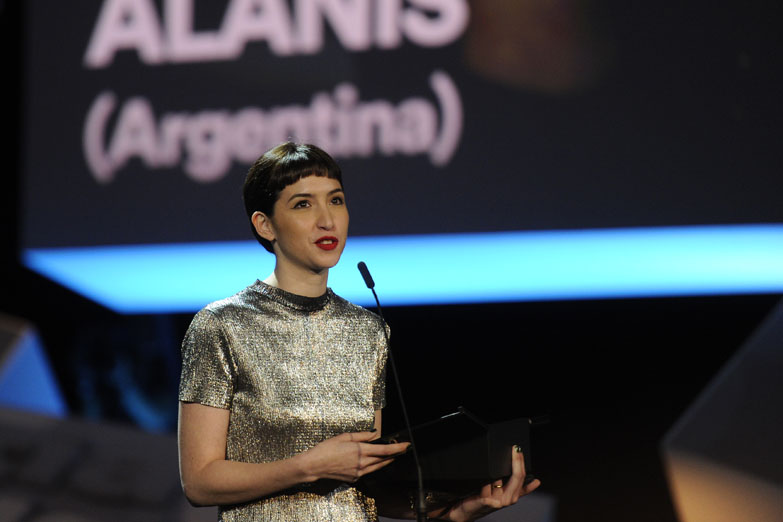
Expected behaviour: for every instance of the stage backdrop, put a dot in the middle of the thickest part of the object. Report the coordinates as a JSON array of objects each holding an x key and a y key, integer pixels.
[{"x": 449, "y": 117}]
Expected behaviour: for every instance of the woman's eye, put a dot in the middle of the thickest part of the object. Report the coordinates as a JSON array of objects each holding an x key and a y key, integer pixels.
[
  {"x": 338, "y": 200},
  {"x": 302, "y": 204}
]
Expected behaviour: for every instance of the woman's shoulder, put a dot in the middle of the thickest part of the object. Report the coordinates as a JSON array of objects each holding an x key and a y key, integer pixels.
[
  {"x": 347, "y": 308},
  {"x": 228, "y": 306}
]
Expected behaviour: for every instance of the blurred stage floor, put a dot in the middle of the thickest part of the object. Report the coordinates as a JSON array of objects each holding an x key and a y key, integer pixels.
[{"x": 54, "y": 470}]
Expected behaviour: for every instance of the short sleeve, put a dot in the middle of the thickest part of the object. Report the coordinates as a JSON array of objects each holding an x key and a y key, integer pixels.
[
  {"x": 379, "y": 386},
  {"x": 207, "y": 370}
]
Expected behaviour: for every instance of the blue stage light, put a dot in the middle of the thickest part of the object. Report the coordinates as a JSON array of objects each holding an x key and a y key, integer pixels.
[{"x": 435, "y": 269}]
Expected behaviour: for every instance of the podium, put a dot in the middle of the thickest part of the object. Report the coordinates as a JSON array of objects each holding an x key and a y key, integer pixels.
[{"x": 459, "y": 454}]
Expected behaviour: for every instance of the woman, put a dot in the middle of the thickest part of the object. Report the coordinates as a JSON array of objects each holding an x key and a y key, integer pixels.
[{"x": 282, "y": 384}]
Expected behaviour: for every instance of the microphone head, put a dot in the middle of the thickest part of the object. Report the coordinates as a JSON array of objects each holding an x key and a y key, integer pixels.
[{"x": 366, "y": 275}]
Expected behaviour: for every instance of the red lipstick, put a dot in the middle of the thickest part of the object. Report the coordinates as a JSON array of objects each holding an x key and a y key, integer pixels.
[{"x": 327, "y": 243}]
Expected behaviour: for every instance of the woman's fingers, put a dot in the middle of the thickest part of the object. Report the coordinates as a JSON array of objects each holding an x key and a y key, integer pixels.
[
  {"x": 513, "y": 488},
  {"x": 497, "y": 494},
  {"x": 386, "y": 450},
  {"x": 532, "y": 486},
  {"x": 375, "y": 467},
  {"x": 375, "y": 449},
  {"x": 373, "y": 454}
]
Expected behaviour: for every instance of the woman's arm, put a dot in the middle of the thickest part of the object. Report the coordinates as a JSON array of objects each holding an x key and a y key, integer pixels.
[{"x": 209, "y": 479}]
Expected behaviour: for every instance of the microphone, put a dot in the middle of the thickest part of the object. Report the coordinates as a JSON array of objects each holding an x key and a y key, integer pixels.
[
  {"x": 367, "y": 277},
  {"x": 421, "y": 510}
]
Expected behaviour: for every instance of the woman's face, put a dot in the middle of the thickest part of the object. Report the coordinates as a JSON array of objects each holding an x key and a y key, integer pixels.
[{"x": 309, "y": 224}]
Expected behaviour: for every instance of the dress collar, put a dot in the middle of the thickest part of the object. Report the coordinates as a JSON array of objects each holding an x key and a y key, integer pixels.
[{"x": 295, "y": 301}]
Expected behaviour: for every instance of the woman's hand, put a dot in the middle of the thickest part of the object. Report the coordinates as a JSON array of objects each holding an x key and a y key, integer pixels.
[
  {"x": 349, "y": 456},
  {"x": 496, "y": 495}
]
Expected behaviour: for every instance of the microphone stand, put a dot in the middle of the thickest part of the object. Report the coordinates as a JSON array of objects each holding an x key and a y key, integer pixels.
[{"x": 421, "y": 510}]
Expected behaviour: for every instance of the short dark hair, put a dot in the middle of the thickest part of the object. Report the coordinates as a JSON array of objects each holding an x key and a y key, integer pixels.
[{"x": 276, "y": 169}]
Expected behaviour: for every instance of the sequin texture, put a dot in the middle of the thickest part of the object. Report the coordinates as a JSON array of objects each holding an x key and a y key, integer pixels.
[{"x": 293, "y": 371}]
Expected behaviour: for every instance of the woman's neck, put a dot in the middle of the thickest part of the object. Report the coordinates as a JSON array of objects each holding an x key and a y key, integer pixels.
[{"x": 307, "y": 284}]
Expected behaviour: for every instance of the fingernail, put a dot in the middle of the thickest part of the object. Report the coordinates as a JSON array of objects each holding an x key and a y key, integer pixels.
[
  {"x": 517, "y": 448},
  {"x": 373, "y": 430}
]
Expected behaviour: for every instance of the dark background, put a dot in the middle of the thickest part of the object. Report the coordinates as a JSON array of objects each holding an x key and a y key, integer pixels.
[
  {"x": 612, "y": 375},
  {"x": 664, "y": 115}
]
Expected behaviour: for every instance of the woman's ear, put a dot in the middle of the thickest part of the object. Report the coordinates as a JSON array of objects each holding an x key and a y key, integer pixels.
[{"x": 263, "y": 225}]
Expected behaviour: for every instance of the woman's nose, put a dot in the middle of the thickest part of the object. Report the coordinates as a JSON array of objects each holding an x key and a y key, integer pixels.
[{"x": 325, "y": 219}]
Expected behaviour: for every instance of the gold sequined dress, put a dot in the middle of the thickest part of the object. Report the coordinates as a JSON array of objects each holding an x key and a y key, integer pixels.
[{"x": 293, "y": 371}]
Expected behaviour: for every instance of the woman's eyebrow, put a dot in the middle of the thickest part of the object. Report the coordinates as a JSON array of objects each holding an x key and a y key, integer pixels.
[
  {"x": 300, "y": 195},
  {"x": 307, "y": 195}
]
